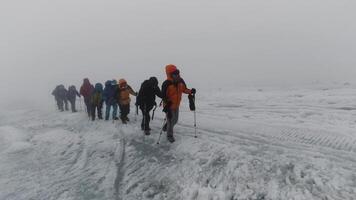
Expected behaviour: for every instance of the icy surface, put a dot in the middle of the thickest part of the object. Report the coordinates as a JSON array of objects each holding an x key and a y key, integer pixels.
[{"x": 254, "y": 143}]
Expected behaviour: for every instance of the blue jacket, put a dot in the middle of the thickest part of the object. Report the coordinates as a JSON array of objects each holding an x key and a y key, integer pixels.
[{"x": 109, "y": 93}]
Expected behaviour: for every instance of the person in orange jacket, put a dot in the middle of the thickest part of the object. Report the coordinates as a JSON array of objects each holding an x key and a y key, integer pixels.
[
  {"x": 172, "y": 90},
  {"x": 123, "y": 98}
]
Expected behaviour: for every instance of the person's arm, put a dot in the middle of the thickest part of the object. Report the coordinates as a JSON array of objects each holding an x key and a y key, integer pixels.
[
  {"x": 139, "y": 96},
  {"x": 185, "y": 89},
  {"x": 158, "y": 92},
  {"x": 77, "y": 93},
  {"x": 131, "y": 91}
]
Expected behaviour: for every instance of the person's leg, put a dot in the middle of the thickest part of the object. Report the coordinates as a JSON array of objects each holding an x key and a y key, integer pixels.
[
  {"x": 92, "y": 112},
  {"x": 100, "y": 111},
  {"x": 66, "y": 104},
  {"x": 121, "y": 111},
  {"x": 143, "y": 119},
  {"x": 127, "y": 112},
  {"x": 175, "y": 117},
  {"x": 107, "y": 112},
  {"x": 169, "y": 127},
  {"x": 172, "y": 122},
  {"x": 147, "y": 119},
  {"x": 87, "y": 104},
  {"x": 114, "y": 112},
  {"x": 61, "y": 104},
  {"x": 72, "y": 105},
  {"x": 57, "y": 102}
]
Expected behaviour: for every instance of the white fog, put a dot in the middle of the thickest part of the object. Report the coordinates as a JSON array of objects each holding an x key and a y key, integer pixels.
[{"x": 276, "y": 100}]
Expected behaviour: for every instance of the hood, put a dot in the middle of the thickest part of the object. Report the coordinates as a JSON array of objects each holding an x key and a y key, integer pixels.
[
  {"x": 169, "y": 70},
  {"x": 86, "y": 81},
  {"x": 122, "y": 81},
  {"x": 153, "y": 81},
  {"x": 114, "y": 82},
  {"x": 108, "y": 83},
  {"x": 98, "y": 87}
]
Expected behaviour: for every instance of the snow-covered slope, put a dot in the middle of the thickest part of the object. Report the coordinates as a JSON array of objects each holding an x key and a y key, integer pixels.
[{"x": 252, "y": 144}]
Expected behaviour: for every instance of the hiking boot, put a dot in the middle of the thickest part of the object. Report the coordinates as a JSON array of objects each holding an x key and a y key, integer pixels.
[
  {"x": 124, "y": 121},
  {"x": 147, "y": 132},
  {"x": 171, "y": 139}
]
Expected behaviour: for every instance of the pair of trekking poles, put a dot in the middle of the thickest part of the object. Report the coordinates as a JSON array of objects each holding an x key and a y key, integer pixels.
[{"x": 192, "y": 108}]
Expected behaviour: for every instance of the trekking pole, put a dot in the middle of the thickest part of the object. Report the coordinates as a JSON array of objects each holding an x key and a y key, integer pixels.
[
  {"x": 193, "y": 108},
  {"x": 160, "y": 134},
  {"x": 136, "y": 114}
]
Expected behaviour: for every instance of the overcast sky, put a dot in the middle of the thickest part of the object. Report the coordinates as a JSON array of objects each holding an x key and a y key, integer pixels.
[{"x": 44, "y": 43}]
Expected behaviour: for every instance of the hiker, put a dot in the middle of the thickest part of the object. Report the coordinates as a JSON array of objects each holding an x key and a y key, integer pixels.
[
  {"x": 123, "y": 97},
  {"x": 109, "y": 95},
  {"x": 172, "y": 90},
  {"x": 97, "y": 101},
  {"x": 60, "y": 95},
  {"x": 71, "y": 96},
  {"x": 86, "y": 91},
  {"x": 146, "y": 100}
]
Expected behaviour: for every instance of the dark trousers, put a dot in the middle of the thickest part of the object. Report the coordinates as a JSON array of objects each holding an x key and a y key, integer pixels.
[
  {"x": 124, "y": 111},
  {"x": 87, "y": 104},
  {"x": 95, "y": 108},
  {"x": 62, "y": 104},
  {"x": 108, "y": 109},
  {"x": 145, "y": 124},
  {"x": 66, "y": 104},
  {"x": 72, "y": 105}
]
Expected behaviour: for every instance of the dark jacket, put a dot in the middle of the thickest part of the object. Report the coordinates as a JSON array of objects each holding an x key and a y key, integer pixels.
[
  {"x": 72, "y": 93},
  {"x": 60, "y": 92},
  {"x": 86, "y": 89},
  {"x": 109, "y": 94},
  {"x": 97, "y": 95},
  {"x": 148, "y": 92}
]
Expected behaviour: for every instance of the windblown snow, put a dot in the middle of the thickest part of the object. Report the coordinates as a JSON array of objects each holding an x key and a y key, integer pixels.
[{"x": 252, "y": 144}]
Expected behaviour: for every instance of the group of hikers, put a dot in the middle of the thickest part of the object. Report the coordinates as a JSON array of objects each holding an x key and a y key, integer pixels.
[{"x": 117, "y": 95}]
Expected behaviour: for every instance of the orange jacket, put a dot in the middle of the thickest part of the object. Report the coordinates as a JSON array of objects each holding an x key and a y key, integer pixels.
[
  {"x": 124, "y": 92},
  {"x": 172, "y": 92}
]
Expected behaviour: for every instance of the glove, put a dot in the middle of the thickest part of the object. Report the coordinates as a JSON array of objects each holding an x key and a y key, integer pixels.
[
  {"x": 191, "y": 102},
  {"x": 193, "y": 91}
]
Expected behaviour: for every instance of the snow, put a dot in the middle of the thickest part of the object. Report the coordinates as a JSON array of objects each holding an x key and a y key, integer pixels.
[{"x": 253, "y": 143}]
